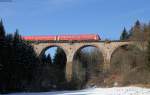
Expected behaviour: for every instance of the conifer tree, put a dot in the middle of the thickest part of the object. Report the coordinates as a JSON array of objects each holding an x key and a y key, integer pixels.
[
  {"x": 9, "y": 38},
  {"x": 137, "y": 26},
  {"x": 17, "y": 37},
  {"x": 44, "y": 58},
  {"x": 49, "y": 60},
  {"x": 130, "y": 33},
  {"x": 137, "y": 23},
  {"x": 136, "y": 32},
  {"x": 2, "y": 30},
  {"x": 59, "y": 58},
  {"x": 124, "y": 35}
]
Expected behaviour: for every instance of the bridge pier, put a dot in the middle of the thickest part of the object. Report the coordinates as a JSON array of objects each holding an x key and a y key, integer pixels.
[
  {"x": 69, "y": 66},
  {"x": 68, "y": 71},
  {"x": 107, "y": 62}
]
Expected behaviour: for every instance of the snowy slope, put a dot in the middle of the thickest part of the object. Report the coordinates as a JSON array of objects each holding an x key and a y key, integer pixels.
[{"x": 96, "y": 91}]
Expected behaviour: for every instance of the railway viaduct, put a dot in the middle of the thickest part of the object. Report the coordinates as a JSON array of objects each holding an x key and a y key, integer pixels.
[{"x": 107, "y": 48}]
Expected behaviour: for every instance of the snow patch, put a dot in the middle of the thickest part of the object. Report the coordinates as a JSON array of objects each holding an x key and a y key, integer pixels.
[{"x": 96, "y": 91}]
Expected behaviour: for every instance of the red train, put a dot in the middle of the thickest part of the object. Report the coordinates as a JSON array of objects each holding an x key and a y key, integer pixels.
[{"x": 83, "y": 37}]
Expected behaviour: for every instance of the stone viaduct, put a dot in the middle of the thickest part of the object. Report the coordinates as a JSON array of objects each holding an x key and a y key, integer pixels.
[{"x": 107, "y": 48}]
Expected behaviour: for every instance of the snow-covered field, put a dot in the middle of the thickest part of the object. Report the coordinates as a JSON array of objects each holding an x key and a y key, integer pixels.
[{"x": 96, "y": 91}]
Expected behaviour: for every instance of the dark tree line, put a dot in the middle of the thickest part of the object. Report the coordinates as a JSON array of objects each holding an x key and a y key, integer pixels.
[
  {"x": 17, "y": 60},
  {"x": 22, "y": 70}
]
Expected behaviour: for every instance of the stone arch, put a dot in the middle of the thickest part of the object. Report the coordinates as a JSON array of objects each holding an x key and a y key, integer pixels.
[
  {"x": 122, "y": 45},
  {"x": 85, "y": 70},
  {"x": 50, "y": 46},
  {"x": 83, "y": 46}
]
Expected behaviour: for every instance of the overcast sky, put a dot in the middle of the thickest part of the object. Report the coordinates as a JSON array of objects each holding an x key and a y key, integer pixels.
[{"x": 51, "y": 17}]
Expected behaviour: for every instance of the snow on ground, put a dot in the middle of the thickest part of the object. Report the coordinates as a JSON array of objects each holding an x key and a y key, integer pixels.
[{"x": 96, "y": 91}]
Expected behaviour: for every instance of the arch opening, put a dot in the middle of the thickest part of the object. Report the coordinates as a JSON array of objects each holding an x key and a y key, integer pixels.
[
  {"x": 126, "y": 60},
  {"x": 126, "y": 54},
  {"x": 53, "y": 59},
  {"x": 87, "y": 66}
]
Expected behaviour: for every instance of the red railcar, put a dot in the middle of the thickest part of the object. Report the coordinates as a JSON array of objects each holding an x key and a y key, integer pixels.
[
  {"x": 83, "y": 37},
  {"x": 40, "y": 38}
]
